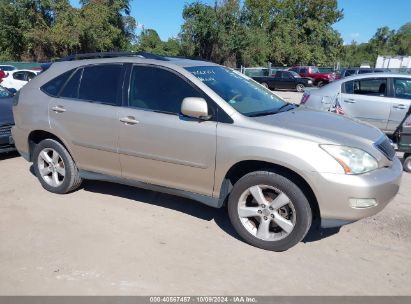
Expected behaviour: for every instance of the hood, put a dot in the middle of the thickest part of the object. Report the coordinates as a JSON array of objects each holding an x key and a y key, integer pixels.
[
  {"x": 6, "y": 113},
  {"x": 326, "y": 127}
]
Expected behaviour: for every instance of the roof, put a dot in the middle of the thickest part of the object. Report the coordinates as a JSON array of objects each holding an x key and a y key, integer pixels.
[{"x": 102, "y": 57}]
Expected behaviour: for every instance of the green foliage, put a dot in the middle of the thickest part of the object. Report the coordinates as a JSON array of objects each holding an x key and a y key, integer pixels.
[
  {"x": 44, "y": 29},
  {"x": 385, "y": 42}
]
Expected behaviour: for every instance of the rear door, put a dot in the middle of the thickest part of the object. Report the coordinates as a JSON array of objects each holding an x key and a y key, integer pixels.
[
  {"x": 85, "y": 115},
  {"x": 367, "y": 100},
  {"x": 400, "y": 102},
  {"x": 157, "y": 144}
]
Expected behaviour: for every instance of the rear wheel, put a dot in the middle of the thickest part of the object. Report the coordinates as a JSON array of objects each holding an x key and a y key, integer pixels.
[
  {"x": 407, "y": 162},
  {"x": 300, "y": 87},
  {"x": 321, "y": 84},
  {"x": 54, "y": 167},
  {"x": 269, "y": 211},
  {"x": 264, "y": 85}
]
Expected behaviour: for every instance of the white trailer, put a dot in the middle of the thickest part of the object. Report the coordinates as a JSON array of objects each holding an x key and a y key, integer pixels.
[{"x": 393, "y": 62}]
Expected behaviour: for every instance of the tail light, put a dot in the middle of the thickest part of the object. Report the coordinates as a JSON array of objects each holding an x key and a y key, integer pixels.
[{"x": 304, "y": 99}]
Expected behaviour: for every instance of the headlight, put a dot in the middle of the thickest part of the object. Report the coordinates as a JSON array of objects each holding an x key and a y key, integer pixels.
[
  {"x": 310, "y": 81},
  {"x": 353, "y": 161}
]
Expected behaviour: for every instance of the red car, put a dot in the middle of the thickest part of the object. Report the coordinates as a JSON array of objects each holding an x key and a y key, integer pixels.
[
  {"x": 2, "y": 75},
  {"x": 313, "y": 72}
]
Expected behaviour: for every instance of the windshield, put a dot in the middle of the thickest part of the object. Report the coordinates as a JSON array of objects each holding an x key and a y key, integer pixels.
[
  {"x": 242, "y": 93},
  {"x": 4, "y": 92}
]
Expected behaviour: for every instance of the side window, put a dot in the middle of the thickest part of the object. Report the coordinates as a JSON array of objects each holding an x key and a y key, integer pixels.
[
  {"x": 54, "y": 86},
  {"x": 19, "y": 76},
  {"x": 348, "y": 87},
  {"x": 287, "y": 75},
  {"x": 101, "y": 83},
  {"x": 278, "y": 74},
  {"x": 30, "y": 76},
  {"x": 368, "y": 86},
  {"x": 402, "y": 88},
  {"x": 158, "y": 90},
  {"x": 71, "y": 88},
  {"x": 303, "y": 70}
]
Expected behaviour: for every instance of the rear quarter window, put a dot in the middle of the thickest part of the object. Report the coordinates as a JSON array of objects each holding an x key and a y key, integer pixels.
[{"x": 54, "y": 86}]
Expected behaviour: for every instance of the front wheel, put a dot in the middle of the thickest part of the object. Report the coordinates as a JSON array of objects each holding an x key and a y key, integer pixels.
[
  {"x": 265, "y": 85},
  {"x": 269, "y": 211},
  {"x": 407, "y": 162},
  {"x": 300, "y": 87},
  {"x": 321, "y": 84},
  {"x": 55, "y": 168}
]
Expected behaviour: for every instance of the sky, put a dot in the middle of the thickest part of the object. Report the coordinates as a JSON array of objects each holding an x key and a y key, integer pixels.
[{"x": 361, "y": 19}]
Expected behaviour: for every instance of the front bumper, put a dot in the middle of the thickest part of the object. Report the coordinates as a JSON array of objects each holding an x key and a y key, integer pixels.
[{"x": 334, "y": 192}]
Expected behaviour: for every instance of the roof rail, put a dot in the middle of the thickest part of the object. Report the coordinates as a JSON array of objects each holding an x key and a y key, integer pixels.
[{"x": 112, "y": 55}]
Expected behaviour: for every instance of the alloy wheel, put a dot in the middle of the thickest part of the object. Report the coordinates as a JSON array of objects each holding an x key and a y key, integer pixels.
[
  {"x": 51, "y": 167},
  {"x": 266, "y": 212}
]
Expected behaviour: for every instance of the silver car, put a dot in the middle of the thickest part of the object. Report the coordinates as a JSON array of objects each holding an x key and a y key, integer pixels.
[
  {"x": 203, "y": 131},
  {"x": 379, "y": 99}
]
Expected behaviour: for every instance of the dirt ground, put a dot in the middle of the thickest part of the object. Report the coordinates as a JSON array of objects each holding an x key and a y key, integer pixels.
[{"x": 109, "y": 239}]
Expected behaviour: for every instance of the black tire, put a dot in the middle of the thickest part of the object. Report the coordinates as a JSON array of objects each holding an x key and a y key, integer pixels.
[
  {"x": 407, "y": 162},
  {"x": 321, "y": 84},
  {"x": 300, "y": 202},
  {"x": 300, "y": 87},
  {"x": 264, "y": 84},
  {"x": 71, "y": 181}
]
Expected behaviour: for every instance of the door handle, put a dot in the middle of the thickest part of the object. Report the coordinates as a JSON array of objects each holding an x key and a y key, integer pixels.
[
  {"x": 58, "y": 109},
  {"x": 129, "y": 120},
  {"x": 349, "y": 101},
  {"x": 400, "y": 106}
]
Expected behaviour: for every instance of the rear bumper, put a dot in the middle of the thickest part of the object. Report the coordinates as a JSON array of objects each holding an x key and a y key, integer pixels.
[
  {"x": 20, "y": 137},
  {"x": 334, "y": 192}
]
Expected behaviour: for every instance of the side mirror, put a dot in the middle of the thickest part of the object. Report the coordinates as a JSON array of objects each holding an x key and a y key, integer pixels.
[{"x": 195, "y": 107}]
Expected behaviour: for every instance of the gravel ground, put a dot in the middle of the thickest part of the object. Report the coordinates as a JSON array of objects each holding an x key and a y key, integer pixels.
[
  {"x": 293, "y": 97},
  {"x": 109, "y": 239}
]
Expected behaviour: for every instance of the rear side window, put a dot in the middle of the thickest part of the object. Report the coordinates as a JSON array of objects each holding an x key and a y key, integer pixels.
[
  {"x": 101, "y": 83},
  {"x": 158, "y": 90},
  {"x": 54, "y": 86},
  {"x": 368, "y": 86}
]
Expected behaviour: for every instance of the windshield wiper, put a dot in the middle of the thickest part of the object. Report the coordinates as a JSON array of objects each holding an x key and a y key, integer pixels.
[
  {"x": 263, "y": 113},
  {"x": 284, "y": 107}
]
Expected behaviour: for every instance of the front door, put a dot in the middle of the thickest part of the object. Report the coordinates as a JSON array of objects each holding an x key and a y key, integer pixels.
[{"x": 157, "y": 144}]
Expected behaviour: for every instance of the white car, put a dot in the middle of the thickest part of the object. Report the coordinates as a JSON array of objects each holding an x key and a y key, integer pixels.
[{"x": 18, "y": 78}]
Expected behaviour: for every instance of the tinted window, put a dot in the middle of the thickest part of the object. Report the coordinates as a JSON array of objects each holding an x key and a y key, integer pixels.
[
  {"x": 101, "y": 83},
  {"x": 303, "y": 71},
  {"x": 402, "y": 88},
  {"x": 19, "y": 76},
  {"x": 71, "y": 88},
  {"x": 369, "y": 86},
  {"x": 349, "y": 72},
  {"x": 54, "y": 86},
  {"x": 364, "y": 71},
  {"x": 30, "y": 75},
  {"x": 158, "y": 89}
]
